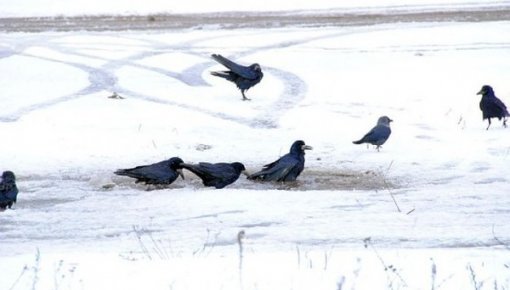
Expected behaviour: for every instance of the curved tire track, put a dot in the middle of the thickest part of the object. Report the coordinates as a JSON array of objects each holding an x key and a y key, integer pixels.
[{"x": 104, "y": 78}]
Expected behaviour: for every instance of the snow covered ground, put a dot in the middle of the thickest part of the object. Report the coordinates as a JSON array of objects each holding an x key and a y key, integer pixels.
[{"x": 429, "y": 211}]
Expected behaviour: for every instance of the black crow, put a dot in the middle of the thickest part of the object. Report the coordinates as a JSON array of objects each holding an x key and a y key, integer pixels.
[
  {"x": 379, "y": 134},
  {"x": 164, "y": 172},
  {"x": 8, "y": 190},
  {"x": 218, "y": 175},
  {"x": 491, "y": 106},
  {"x": 287, "y": 168},
  {"x": 244, "y": 77}
]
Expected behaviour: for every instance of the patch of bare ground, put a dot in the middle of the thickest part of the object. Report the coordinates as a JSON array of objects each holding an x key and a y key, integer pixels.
[
  {"x": 236, "y": 20},
  {"x": 310, "y": 179}
]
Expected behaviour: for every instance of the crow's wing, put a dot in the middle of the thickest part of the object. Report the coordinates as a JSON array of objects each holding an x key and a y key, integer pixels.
[
  {"x": 12, "y": 193},
  {"x": 278, "y": 170},
  {"x": 243, "y": 71},
  {"x": 231, "y": 76},
  {"x": 218, "y": 175},
  {"x": 223, "y": 173},
  {"x": 158, "y": 171},
  {"x": 368, "y": 136},
  {"x": 482, "y": 105},
  {"x": 203, "y": 170},
  {"x": 218, "y": 170},
  {"x": 9, "y": 190},
  {"x": 501, "y": 105},
  {"x": 377, "y": 133},
  {"x": 493, "y": 107}
]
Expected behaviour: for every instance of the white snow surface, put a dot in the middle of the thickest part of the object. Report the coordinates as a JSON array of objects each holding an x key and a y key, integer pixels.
[{"x": 64, "y": 137}]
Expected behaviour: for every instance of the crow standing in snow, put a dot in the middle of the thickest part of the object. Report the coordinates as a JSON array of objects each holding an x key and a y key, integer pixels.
[
  {"x": 164, "y": 172},
  {"x": 491, "y": 106},
  {"x": 218, "y": 175},
  {"x": 244, "y": 77},
  {"x": 287, "y": 168},
  {"x": 379, "y": 134},
  {"x": 8, "y": 190}
]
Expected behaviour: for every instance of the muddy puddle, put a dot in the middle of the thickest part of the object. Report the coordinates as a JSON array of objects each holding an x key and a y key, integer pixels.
[{"x": 309, "y": 180}]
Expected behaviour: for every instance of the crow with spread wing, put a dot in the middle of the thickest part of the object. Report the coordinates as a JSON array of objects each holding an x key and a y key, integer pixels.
[
  {"x": 244, "y": 77},
  {"x": 286, "y": 168}
]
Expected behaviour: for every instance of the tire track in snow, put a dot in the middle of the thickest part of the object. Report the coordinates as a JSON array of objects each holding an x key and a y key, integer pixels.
[
  {"x": 295, "y": 88},
  {"x": 294, "y": 91},
  {"x": 157, "y": 100},
  {"x": 104, "y": 78},
  {"x": 98, "y": 80}
]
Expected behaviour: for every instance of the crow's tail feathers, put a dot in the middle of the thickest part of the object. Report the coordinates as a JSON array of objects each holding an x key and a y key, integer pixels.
[
  {"x": 125, "y": 172},
  {"x": 121, "y": 172},
  {"x": 220, "y": 74},
  {"x": 256, "y": 176},
  {"x": 195, "y": 169},
  {"x": 224, "y": 61},
  {"x": 358, "y": 142},
  {"x": 224, "y": 74}
]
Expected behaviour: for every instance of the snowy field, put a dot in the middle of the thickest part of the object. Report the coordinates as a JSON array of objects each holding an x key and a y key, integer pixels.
[{"x": 429, "y": 211}]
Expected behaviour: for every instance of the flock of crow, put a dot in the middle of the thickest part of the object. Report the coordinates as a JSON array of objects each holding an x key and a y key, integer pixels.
[
  {"x": 286, "y": 168},
  {"x": 218, "y": 175}
]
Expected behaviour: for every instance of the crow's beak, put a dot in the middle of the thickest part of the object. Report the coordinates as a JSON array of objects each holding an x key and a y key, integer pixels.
[
  {"x": 480, "y": 92},
  {"x": 179, "y": 171},
  {"x": 391, "y": 120},
  {"x": 306, "y": 147}
]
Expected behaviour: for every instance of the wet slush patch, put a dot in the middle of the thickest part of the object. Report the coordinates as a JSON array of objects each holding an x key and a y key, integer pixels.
[
  {"x": 38, "y": 193},
  {"x": 310, "y": 179},
  {"x": 42, "y": 203}
]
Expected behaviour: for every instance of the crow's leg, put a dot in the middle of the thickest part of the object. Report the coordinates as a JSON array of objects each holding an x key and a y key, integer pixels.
[
  {"x": 489, "y": 119},
  {"x": 244, "y": 97},
  {"x": 504, "y": 122},
  {"x": 378, "y": 146}
]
